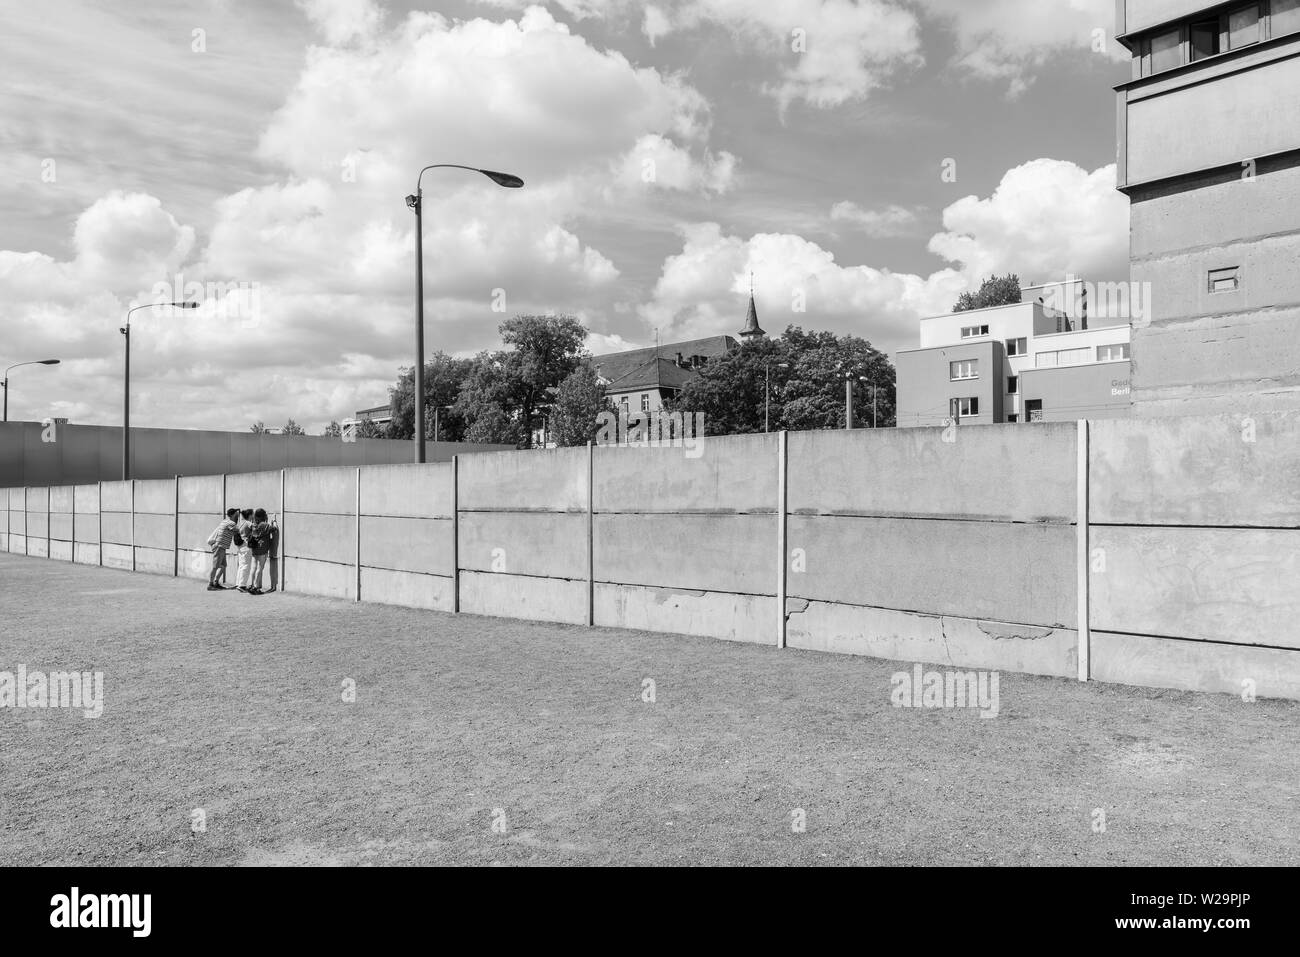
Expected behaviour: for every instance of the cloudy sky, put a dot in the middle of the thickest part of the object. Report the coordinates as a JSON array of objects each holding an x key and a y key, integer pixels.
[{"x": 262, "y": 149}]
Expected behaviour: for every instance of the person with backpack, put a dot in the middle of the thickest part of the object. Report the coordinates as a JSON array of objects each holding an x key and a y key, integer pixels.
[
  {"x": 261, "y": 539},
  {"x": 244, "y": 569}
]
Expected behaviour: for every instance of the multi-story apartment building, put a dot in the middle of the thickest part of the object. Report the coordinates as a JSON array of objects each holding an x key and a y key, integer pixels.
[
  {"x": 1026, "y": 362},
  {"x": 1209, "y": 156}
]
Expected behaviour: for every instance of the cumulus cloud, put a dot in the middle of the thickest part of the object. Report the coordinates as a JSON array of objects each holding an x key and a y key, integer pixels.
[
  {"x": 1013, "y": 40},
  {"x": 656, "y": 161},
  {"x": 342, "y": 21},
  {"x": 1047, "y": 218}
]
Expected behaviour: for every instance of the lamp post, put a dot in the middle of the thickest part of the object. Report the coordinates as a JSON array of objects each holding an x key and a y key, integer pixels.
[
  {"x": 416, "y": 202},
  {"x": 767, "y": 390},
  {"x": 34, "y": 362},
  {"x": 848, "y": 401},
  {"x": 126, "y": 380}
]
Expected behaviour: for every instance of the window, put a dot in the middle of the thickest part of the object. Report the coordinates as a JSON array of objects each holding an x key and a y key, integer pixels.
[
  {"x": 964, "y": 408},
  {"x": 1013, "y": 385},
  {"x": 964, "y": 369},
  {"x": 1013, "y": 417},
  {"x": 1018, "y": 347},
  {"x": 1225, "y": 280},
  {"x": 1072, "y": 357},
  {"x": 1166, "y": 50},
  {"x": 973, "y": 332},
  {"x": 1243, "y": 27},
  {"x": 1205, "y": 38},
  {"x": 1114, "y": 352},
  {"x": 1284, "y": 17},
  {"x": 1034, "y": 410},
  {"x": 623, "y": 403},
  {"x": 645, "y": 402}
]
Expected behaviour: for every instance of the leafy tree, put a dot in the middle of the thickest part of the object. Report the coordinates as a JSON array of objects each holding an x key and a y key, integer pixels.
[
  {"x": 259, "y": 428},
  {"x": 808, "y": 371},
  {"x": 370, "y": 429},
  {"x": 333, "y": 430},
  {"x": 994, "y": 291},
  {"x": 579, "y": 399},
  {"x": 443, "y": 377},
  {"x": 292, "y": 428}
]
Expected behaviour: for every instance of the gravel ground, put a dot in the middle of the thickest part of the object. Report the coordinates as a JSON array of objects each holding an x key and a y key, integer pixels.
[{"x": 234, "y": 705}]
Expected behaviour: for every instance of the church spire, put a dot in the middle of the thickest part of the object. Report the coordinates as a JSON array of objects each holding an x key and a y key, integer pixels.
[{"x": 752, "y": 329}]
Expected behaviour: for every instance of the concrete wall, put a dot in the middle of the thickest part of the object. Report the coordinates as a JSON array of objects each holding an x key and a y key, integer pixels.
[
  {"x": 1195, "y": 540},
  {"x": 1135, "y": 15},
  {"x": 963, "y": 547},
  {"x": 35, "y": 454}
]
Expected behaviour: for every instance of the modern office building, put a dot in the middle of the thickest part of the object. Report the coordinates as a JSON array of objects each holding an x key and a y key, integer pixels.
[
  {"x": 1209, "y": 156},
  {"x": 1032, "y": 361}
]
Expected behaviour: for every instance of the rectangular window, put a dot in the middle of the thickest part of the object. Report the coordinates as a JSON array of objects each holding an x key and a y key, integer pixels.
[
  {"x": 964, "y": 369},
  {"x": 1013, "y": 417},
  {"x": 1285, "y": 17},
  {"x": 1034, "y": 410},
  {"x": 1243, "y": 27},
  {"x": 1114, "y": 352},
  {"x": 623, "y": 402},
  {"x": 964, "y": 408},
  {"x": 1017, "y": 347},
  {"x": 1167, "y": 50},
  {"x": 1013, "y": 385},
  {"x": 1204, "y": 38},
  {"x": 1225, "y": 280},
  {"x": 973, "y": 332},
  {"x": 645, "y": 402},
  {"x": 1073, "y": 357}
]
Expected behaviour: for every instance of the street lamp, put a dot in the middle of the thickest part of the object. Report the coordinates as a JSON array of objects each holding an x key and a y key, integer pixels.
[
  {"x": 34, "y": 362},
  {"x": 126, "y": 382},
  {"x": 767, "y": 389},
  {"x": 416, "y": 202},
  {"x": 848, "y": 400}
]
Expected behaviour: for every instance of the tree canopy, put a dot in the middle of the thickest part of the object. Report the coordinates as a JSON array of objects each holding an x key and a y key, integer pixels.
[{"x": 994, "y": 291}]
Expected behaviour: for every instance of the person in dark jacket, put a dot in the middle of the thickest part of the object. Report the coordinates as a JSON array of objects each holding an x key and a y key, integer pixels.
[{"x": 261, "y": 538}]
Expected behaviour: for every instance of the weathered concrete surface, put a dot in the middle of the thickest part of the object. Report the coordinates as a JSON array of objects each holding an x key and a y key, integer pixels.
[
  {"x": 521, "y": 596},
  {"x": 415, "y": 491},
  {"x": 539, "y": 480},
  {"x": 985, "y": 570},
  {"x": 1194, "y": 665},
  {"x": 1237, "y": 586},
  {"x": 708, "y": 614},
  {"x": 327, "y": 491},
  {"x": 539, "y": 544},
  {"x": 116, "y": 556},
  {"x": 328, "y": 538},
  {"x": 37, "y": 547},
  {"x": 407, "y": 544},
  {"x": 61, "y": 551},
  {"x": 1239, "y": 469},
  {"x": 38, "y": 504},
  {"x": 155, "y": 561},
  {"x": 157, "y": 497},
  {"x": 61, "y": 526},
  {"x": 731, "y": 474},
  {"x": 115, "y": 497},
  {"x": 913, "y": 472},
  {"x": 309, "y": 577},
  {"x": 155, "y": 531},
  {"x": 115, "y": 527},
  {"x": 201, "y": 495},
  {"x": 719, "y": 553},
  {"x": 407, "y": 589},
  {"x": 946, "y": 640},
  {"x": 86, "y": 554},
  {"x": 254, "y": 490},
  {"x": 86, "y": 503}
]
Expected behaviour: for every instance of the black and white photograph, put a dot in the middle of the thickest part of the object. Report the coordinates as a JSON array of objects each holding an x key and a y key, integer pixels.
[{"x": 857, "y": 434}]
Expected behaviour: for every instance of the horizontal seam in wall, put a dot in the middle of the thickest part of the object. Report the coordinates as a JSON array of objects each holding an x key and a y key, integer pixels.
[
  {"x": 405, "y": 571},
  {"x": 1194, "y": 641},
  {"x": 523, "y": 511},
  {"x": 551, "y": 578},
  {"x": 675, "y": 588},
  {"x": 930, "y": 614},
  {"x": 1169, "y": 254},
  {"x": 410, "y": 518},
  {"x": 978, "y": 520},
  {"x": 321, "y": 561},
  {"x": 702, "y": 513},
  {"x": 1238, "y": 528}
]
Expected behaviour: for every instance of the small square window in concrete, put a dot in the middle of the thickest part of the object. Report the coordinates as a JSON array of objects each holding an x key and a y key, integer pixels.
[{"x": 1225, "y": 280}]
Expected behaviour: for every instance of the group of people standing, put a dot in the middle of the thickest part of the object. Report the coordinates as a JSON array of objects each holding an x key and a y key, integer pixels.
[{"x": 254, "y": 536}]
